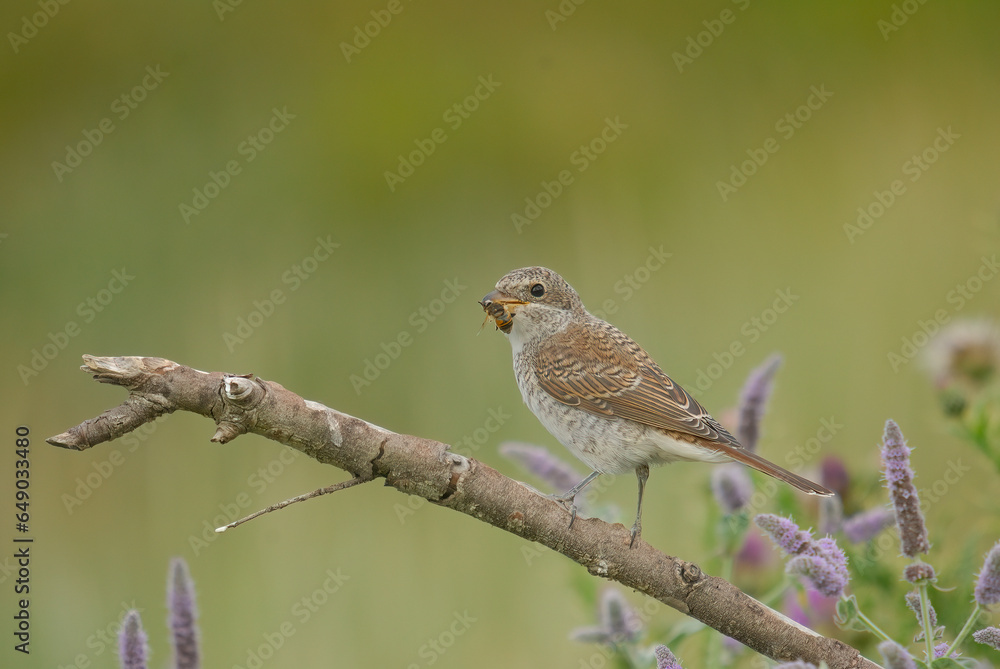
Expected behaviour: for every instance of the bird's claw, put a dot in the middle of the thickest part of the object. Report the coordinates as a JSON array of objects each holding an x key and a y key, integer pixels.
[
  {"x": 572, "y": 515},
  {"x": 634, "y": 534},
  {"x": 566, "y": 501}
]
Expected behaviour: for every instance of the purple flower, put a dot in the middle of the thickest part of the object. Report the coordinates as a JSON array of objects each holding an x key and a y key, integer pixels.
[
  {"x": 539, "y": 461},
  {"x": 940, "y": 650},
  {"x": 820, "y": 572},
  {"x": 753, "y": 400},
  {"x": 988, "y": 587},
  {"x": 132, "y": 649},
  {"x": 828, "y": 549},
  {"x": 864, "y": 526},
  {"x": 619, "y": 622},
  {"x": 731, "y": 486},
  {"x": 821, "y": 562},
  {"x": 918, "y": 572},
  {"x": 665, "y": 659},
  {"x": 183, "y": 615},
  {"x": 833, "y": 474},
  {"x": 902, "y": 493},
  {"x": 913, "y": 602},
  {"x": 754, "y": 551},
  {"x": 618, "y": 617},
  {"x": 590, "y": 635},
  {"x": 895, "y": 656},
  {"x": 784, "y": 532},
  {"x": 989, "y": 636}
]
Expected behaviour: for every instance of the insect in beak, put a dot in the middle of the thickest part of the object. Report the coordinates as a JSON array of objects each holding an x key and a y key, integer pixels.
[{"x": 503, "y": 319}]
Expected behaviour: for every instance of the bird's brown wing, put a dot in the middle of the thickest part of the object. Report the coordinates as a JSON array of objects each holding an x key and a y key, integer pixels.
[
  {"x": 601, "y": 370},
  {"x": 605, "y": 372}
]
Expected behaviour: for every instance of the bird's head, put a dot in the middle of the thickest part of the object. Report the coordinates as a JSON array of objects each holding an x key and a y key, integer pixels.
[{"x": 532, "y": 302}]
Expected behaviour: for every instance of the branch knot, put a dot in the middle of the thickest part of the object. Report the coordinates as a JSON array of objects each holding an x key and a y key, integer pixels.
[{"x": 691, "y": 573}]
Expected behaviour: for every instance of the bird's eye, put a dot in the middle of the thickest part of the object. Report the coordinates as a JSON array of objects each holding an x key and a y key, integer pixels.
[{"x": 537, "y": 290}]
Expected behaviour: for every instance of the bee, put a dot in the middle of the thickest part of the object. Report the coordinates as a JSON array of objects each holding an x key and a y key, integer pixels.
[{"x": 502, "y": 318}]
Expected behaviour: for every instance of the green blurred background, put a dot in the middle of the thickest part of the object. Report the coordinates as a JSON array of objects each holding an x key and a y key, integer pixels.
[{"x": 655, "y": 187}]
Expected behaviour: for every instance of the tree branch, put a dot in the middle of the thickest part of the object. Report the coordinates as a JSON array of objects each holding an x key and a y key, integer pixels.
[{"x": 423, "y": 467}]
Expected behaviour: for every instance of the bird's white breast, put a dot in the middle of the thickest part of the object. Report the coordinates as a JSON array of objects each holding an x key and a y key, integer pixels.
[{"x": 607, "y": 445}]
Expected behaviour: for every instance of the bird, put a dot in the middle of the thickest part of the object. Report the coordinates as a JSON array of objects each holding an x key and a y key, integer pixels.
[{"x": 601, "y": 395}]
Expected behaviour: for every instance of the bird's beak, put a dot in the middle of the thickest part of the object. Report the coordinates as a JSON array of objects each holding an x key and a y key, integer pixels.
[{"x": 501, "y": 308}]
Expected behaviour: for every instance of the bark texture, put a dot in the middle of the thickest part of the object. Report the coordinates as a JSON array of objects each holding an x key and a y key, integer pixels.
[{"x": 417, "y": 466}]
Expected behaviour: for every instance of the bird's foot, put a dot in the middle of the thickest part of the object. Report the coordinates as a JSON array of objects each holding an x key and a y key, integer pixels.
[
  {"x": 566, "y": 501},
  {"x": 634, "y": 534}
]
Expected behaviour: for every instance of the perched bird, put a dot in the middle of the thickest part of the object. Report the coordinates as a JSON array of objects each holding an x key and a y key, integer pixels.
[{"x": 600, "y": 394}]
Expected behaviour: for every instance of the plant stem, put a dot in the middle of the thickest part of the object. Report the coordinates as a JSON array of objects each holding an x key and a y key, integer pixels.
[
  {"x": 965, "y": 630},
  {"x": 925, "y": 614},
  {"x": 872, "y": 627}
]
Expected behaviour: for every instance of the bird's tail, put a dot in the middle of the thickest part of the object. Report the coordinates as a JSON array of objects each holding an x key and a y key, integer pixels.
[{"x": 766, "y": 466}]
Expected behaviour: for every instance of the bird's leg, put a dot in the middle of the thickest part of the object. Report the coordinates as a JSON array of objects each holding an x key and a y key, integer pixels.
[
  {"x": 641, "y": 473},
  {"x": 571, "y": 494}
]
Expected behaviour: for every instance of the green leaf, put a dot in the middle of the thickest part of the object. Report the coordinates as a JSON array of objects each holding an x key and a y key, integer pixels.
[{"x": 848, "y": 617}]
